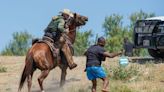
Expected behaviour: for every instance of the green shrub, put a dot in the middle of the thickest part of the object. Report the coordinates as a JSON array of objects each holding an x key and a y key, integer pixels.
[
  {"x": 121, "y": 73},
  {"x": 19, "y": 45},
  {"x": 3, "y": 69},
  {"x": 149, "y": 64}
]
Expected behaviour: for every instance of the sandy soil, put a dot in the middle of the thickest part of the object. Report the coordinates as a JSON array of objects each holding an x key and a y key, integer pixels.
[
  {"x": 9, "y": 80},
  {"x": 75, "y": 78}
]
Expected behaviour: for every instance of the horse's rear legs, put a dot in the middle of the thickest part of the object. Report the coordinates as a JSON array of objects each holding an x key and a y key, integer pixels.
[
  {"x": 41, "y": 78},
  {"x": 29, "y": 81}
]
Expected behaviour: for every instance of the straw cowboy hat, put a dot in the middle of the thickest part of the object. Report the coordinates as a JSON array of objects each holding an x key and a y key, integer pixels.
[{"x": 67, "y": 11}]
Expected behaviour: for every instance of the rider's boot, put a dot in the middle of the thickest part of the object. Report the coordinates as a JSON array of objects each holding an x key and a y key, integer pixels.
[{"x": 67, "y": 52}]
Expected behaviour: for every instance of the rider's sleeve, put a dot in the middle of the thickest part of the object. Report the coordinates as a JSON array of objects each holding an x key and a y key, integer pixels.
[{"x": 61, "y": 25}]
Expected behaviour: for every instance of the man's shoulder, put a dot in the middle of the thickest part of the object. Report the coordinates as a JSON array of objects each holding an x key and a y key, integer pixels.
[
  {"x": 57, "y": 17},
  {"x": 99, "y": 47},
  {"x": 91, "y": 47},
  {"x": 96, "y": 47}
]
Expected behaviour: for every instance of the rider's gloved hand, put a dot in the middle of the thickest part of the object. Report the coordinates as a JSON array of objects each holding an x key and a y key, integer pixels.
[{"x": 66, "y": 31}]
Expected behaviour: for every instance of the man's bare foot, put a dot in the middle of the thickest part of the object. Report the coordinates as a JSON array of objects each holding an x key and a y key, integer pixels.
[{"x": 104, "y": 90}]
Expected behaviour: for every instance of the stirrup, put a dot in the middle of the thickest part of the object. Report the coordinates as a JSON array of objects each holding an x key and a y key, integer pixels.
[{"x": 72, "y": 66}]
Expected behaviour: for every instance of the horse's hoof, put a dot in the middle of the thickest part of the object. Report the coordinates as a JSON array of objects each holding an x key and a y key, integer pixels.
[
  {"x": 43, "y": 91},
  {"x": 104, "y": 90}
]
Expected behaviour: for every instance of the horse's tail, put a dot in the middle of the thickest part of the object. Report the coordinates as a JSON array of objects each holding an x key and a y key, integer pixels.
[{"x": 28, "y": 69}]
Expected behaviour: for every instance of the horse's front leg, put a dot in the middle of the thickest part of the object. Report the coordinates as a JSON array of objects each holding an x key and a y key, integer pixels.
[{"x": 63, "y": 75}]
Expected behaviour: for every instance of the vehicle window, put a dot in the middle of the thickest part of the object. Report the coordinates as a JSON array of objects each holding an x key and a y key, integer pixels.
[
  {"x": 161, "y": 28},
  {"x": 145, "y": 26}
]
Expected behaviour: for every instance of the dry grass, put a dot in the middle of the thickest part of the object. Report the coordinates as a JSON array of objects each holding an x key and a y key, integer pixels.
[{"x": 151, "y": 78}]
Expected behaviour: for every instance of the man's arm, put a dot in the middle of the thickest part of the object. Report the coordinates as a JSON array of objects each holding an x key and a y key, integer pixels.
[
  {"x": 61, "y": 25},
  {"x": 111, "y": 55}
]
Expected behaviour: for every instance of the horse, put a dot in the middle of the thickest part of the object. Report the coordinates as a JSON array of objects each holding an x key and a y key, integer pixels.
[{"x": 39, "y": 56}]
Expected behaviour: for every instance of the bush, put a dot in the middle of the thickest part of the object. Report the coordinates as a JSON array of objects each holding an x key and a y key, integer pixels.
[
  {"x": 121, "y": 73},
  {"x": 3, "y": 69},
  {"x": 19, "y": 45}
]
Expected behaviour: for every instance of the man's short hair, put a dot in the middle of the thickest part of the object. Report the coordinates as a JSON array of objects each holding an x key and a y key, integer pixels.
[
  {"x": 126, "y": 39},
  {"x": 100, "y": 39}
]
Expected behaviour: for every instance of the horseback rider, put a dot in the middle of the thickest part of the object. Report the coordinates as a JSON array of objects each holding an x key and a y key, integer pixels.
[{"x": 57, "y": 27}]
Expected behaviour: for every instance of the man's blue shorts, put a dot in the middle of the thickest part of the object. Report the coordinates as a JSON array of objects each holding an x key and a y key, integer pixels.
[{"x": 94, "y": 72}]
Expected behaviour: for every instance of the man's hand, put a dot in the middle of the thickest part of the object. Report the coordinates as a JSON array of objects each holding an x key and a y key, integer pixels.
[
  {"x": 120, "y": 52},
  {"x": 66, "y": 31},
  {"x": 66, "y": 26}
]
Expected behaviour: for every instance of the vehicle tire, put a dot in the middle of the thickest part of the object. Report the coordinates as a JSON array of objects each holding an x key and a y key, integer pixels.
[
  {"x": 161, "y": 54},
  {"x": 155, "y": 53}
]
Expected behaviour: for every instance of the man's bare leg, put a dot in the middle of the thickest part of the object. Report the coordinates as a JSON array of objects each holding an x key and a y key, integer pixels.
[
  {"x": 94, "y": 85},
  {"x": 105, "y": 84}
]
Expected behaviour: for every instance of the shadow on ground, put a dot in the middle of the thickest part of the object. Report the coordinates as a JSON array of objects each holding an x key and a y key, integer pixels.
[{"x": 144, "y": 60}]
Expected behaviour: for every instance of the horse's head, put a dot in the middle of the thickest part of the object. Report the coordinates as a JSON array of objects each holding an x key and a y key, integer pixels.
[
  {"x": 75, "y": 22},
  {"x": 78, "y": 20}
]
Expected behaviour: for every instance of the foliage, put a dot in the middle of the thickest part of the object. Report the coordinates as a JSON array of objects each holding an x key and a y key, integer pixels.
[
  {"x": 133, "y": 18},
  {"x": 3, "y": 69},
  {"x": 19, "y": 45},
  {"x": 115, "y": 31},
  {"x": 113, "y": 25},
  {"x": 82, "y": 42},
  {"x": 121, "y": 73},
  {"x": 138, "y": 16}
]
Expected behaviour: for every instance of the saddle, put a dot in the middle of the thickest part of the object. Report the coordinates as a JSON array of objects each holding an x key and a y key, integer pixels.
[{"x": 50, "y": 42}]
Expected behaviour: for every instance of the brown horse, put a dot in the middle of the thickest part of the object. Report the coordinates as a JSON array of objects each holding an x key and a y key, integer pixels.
[{"x": 40, "y": 57}]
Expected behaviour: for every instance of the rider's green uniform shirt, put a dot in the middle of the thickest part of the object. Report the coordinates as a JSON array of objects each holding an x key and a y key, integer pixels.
[{"x": 57, "y": 23}]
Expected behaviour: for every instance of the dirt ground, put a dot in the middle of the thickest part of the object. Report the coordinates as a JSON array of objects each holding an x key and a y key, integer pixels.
[
  {"x": 9, "y": 80},
  {"x": 75, "y": 78}
]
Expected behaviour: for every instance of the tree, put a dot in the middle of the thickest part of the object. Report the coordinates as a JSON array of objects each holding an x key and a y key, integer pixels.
[
  {"x": 114, "y": 32},
  {"x": 113, "y": 25},
  {"x": 133, "y": 18},
  {"x": 82, "y": 42},
  {"x": 19, "y": 45}
]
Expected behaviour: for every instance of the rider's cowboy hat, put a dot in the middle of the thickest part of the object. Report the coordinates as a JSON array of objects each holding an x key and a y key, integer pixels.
[{"x": 67, "y": 11}]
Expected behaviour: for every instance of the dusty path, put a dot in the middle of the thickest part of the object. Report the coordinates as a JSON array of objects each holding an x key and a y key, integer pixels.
[{"x": 9, "y": 80}]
